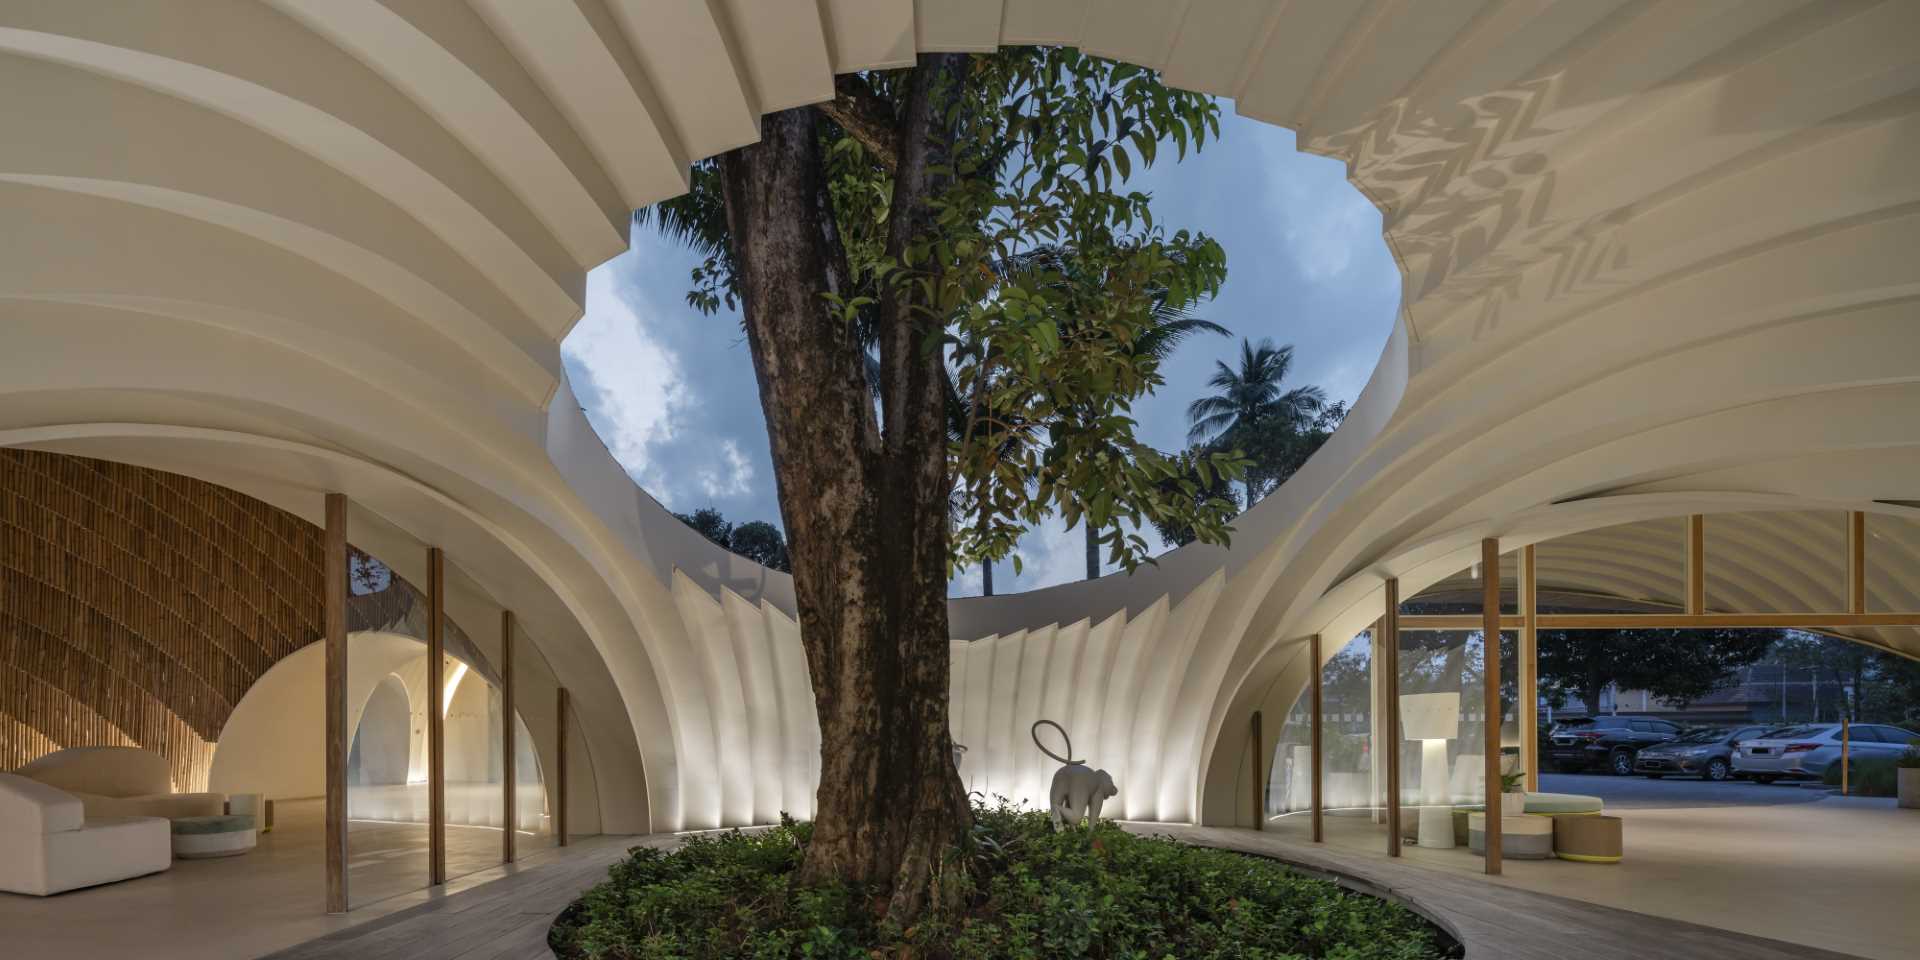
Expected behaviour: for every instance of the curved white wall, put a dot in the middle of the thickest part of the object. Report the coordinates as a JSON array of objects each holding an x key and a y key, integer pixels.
[{"x": 1657, "y": 260}]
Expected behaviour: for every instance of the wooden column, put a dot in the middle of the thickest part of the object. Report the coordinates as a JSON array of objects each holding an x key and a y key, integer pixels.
[
  {"x": 1856, "y": 562},
  {"x": 1319, "y": 721},
  {"x": 1390, "y": 665},
  {"x": 509, "y": 775},
  {"x": 1529, "y": 705},
  {"x": 1490, "y": 673},
  {"x": 1259, "y": 788},
  {"x": 1696, "y": 594},
  {"x": 335, "y": 598},
  {"x": 436, "y": 718},
  {"x": 560, "y": 770}
]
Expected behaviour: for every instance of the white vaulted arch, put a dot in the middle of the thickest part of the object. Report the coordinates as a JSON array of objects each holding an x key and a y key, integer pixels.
[{"x": 1656, "y": 261}]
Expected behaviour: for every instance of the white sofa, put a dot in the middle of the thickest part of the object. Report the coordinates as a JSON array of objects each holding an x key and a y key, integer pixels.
[
  {"x": 121, "y": 782},
  {"x": 48, "y": 844}
]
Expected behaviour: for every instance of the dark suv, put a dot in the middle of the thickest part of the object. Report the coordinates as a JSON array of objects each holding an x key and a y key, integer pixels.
[{"x": 1607, "y": 743}]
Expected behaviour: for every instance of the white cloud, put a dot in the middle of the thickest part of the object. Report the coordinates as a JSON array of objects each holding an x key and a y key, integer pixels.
[
  {"x": 633, "y": 377},
  {"x": 1328, "y": 223},
  {"x": 731, "y": 476}
]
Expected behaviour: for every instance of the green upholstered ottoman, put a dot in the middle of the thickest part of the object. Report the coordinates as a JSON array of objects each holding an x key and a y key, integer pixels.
[{"x": 226, "y": 835}]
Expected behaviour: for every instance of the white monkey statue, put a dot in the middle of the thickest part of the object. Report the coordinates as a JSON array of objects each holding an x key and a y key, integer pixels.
[{"x": 1078, "y": 790}]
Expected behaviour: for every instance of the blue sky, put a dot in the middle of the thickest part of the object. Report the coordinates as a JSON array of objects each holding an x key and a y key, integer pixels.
[{"x": 672, "y": 392}]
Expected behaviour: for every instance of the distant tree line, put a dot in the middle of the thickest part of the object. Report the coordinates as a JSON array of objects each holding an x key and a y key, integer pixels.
[{"x": 757, "y": 540}]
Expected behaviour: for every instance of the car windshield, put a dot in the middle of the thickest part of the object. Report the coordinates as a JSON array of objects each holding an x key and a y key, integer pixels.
[{"x": 1709, "y": 735}]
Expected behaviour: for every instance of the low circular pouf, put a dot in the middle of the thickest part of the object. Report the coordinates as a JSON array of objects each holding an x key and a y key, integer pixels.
[
  {"x": 1562, "y": 804},
  {"x": 1522, "y": 837},
  {"x": 220, "y": 836},
  {"x": 1594, "y": 839}
]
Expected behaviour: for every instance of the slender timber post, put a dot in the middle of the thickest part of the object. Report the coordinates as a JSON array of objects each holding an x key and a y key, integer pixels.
[
  {"x": 1319, "y": 720},
  {"x": 1490, "y": 672},
  {"x": 1856, "y": 563},
  {"x": 1846, "y": 747},
  {"x": 335, "y": 617},
  {"x": 1259, "y": 808},
  {"x": 1696, "y": 597},
  {"x": 436, "y": 718},
  {"x": 1390, "y": 647},
  {"x": 508, "y": 775},
  {"x": 1529, "y": 705},
  {"x": 560, "y": 770}
]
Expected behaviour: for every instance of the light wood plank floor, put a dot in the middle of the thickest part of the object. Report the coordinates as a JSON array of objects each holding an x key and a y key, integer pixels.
[
  {"x": 507, "y": 919},
  {"x": 1496, "y": 920},
  {"x": 503, "y": 919}
]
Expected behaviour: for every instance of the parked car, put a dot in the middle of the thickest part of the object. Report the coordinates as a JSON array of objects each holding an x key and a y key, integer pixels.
[
  {"x": 1706, "y": 753},
  {"x": 1805, "y": 752},
  {"x": 1607, "y": 743}
]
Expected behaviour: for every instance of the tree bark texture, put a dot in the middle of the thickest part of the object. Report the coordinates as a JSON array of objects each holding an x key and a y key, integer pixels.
[{"x": 864, "y": 503}]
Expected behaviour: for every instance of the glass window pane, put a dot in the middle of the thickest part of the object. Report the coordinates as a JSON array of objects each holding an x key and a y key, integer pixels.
[
  {"x": 1460, "y": 592},
  {"x": 386, "y": 724},
  {"x": 534, "y": 732}
]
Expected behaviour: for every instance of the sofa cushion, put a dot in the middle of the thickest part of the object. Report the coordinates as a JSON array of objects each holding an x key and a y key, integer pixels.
[
  {"x": 169, "y": 805},
  {"x": 1562, "y": 804},
  {"x": 103, "y": 771},
  {"x": 35, "y": 808}
]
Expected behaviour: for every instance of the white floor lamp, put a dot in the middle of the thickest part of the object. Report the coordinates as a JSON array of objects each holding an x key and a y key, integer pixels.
[{"x": 1432, "y": 719}]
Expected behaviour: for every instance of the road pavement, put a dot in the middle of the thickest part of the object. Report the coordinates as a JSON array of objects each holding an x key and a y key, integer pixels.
[{"x": 1671, "y": 793}]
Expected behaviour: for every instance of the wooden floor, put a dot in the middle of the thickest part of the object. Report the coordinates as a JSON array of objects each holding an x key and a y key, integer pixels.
[
  {"x": 504, "y": 919},
  {"x": 507, "y": 919},
  {"x": 1496, "y": 921}
]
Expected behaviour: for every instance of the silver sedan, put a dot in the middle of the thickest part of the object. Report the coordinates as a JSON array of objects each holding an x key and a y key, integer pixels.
[{"x": 1805, "y": 752}]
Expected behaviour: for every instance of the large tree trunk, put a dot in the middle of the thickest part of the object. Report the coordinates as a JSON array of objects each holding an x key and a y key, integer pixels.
[
  {"x": 1093, "y": 550},
  {"x": 865, "y": 509}
]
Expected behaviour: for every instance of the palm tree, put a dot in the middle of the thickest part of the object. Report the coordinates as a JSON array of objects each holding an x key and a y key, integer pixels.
[
  {"x": 1173, "y": 323},
  {"x": 1251, "y": 399}
]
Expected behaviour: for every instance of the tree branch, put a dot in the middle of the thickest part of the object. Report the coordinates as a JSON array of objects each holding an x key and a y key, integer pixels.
[{"x": 866, "y": 118}]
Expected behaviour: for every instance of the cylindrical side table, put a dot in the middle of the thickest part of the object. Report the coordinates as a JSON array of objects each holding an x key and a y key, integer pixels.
[
  {"x": 1521, "y": 837},
  {"x": 1591, "y": 839}
]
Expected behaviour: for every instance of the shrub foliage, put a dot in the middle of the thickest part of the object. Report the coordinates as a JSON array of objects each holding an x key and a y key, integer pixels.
[{"x": 1019, "y": 890}]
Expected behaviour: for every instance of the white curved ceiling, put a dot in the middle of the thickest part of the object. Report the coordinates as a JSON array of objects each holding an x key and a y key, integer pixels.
[{"x": 1657, "y": 256}]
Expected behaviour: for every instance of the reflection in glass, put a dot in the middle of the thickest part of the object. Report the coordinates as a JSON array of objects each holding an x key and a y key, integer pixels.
[
  {"x": 1444, "y": 728},
  {"x": 387, "y": 793},
  {"x": 386, "y": 724},
  {"x": 1353, "y": 780}
]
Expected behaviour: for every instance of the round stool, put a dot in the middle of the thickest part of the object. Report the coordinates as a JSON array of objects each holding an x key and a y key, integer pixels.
[
  {"x": 1521, "y": 837},
  {"x": 1590, "y": 839},
  {"x": 227, "y": 835}
]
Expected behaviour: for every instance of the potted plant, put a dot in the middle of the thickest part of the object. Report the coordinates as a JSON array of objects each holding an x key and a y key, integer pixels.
[
  {"x": 1908, "y": 788},
  {"x": 1513, "y": 793}
]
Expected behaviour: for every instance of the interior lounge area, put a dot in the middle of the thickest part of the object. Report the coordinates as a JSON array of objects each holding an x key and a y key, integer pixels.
[
  {"x": 172, "y": 744},
  {"x": 1384, "y": 746}
]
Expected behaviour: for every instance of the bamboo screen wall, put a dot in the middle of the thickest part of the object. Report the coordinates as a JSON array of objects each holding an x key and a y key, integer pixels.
[{"x": 136, "y": 606}]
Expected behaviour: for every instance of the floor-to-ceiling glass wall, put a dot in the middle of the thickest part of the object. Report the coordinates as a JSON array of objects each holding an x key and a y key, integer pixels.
[
  {"x": 474, "y": 728},
  {"x": 387, "y": 703},
  {"x": 1351, "y": 777},
  {"x": 534, "y": 683}
]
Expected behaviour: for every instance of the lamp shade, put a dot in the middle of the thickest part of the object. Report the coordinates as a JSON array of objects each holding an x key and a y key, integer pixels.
[{"x": 1430, "y": 716}]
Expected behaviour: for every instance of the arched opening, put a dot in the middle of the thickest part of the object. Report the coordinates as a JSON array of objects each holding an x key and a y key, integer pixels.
[{"x": 380, "y": 742}]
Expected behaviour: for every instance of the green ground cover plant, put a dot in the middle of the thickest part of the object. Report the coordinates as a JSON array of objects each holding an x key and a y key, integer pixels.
[{"x": 1016, "y": 890}]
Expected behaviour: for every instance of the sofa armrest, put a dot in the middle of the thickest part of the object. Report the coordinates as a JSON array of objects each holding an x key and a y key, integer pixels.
[{"x": 32, "y": 807}]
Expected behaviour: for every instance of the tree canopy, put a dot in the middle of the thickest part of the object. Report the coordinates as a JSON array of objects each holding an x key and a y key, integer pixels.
[
  {"x": 1056, "y": 291},
  {"x": 757, "y": 540}
]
